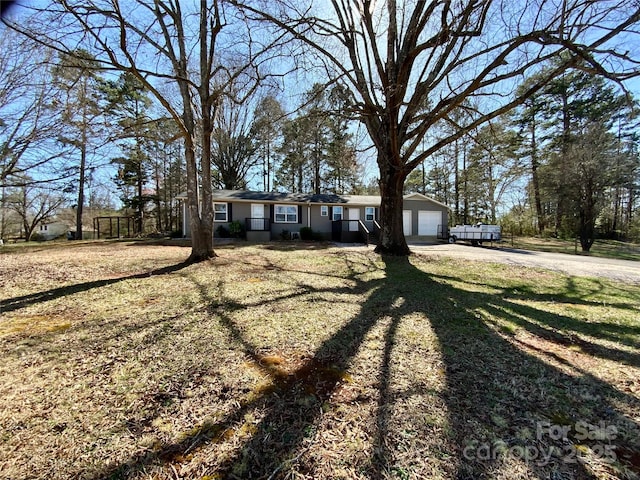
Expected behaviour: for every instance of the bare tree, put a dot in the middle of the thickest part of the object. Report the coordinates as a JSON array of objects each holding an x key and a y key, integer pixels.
[
  {"x": 34, "y": 204},
  {"x": 170, "y": 47},
  {"x": 28, "y": 120},
  {"x": 234, "y": 145},
  {"x": 413, "y": 64}
]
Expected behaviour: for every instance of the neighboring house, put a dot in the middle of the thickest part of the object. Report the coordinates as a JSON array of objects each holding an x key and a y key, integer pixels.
[
  {"x": 51, "y": 230},
  {"x": 343, "y": 218}
]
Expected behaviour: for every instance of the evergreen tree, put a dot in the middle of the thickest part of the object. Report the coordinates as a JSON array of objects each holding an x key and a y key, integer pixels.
[
  {"x": 77, "y": 77},
  {"x": 267, "y": 129},
  {"x": 290, "y": 175},
  {"x": 317, "y": 151},
  {"x": 580, "y": 108},
  {"x": 167, "y": 174},
  {"x": 575, "y": 133},
  {"x": 494, "y": 166},
  {"x": 342, "y": 169},
  {"x": 128, "y": 103},
  {"x": 527, "y": 120}
]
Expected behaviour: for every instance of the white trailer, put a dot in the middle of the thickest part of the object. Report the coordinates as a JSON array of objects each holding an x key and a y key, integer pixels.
[{"x": 476, "y": 234}]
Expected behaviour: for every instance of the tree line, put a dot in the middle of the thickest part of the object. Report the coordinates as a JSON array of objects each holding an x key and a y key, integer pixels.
[
  {"x": 111, "y": 126},
  {"x": 423, "y": 78},
  {"x": 69, "y": 135},
  {"x": 565, "y": 163}
]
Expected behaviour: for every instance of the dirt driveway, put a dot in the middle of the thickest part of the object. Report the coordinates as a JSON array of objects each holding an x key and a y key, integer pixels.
[{"x": 623, "y": 270}]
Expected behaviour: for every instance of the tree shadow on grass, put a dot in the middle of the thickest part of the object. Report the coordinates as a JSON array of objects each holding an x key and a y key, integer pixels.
[
  {"x": 503, "y": 396},
  {"x": 504, "y": 399},
  {"x": 16, "y": 303}
]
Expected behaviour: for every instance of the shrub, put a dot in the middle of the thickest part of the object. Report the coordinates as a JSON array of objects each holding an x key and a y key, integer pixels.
[
  {"x": 306, "y": 233},
  {"x": 236, "y": 229},
  {"x": 285, "y": 235},
  {"x": 222, "y": 232},
  {"x": 37, "y": 237}
]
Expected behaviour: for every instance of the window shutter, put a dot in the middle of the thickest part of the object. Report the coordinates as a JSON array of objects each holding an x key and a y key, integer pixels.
[
  {"x": 299, "y": 213},
  {"x": 229, "y": 212},
  {"x": 271, "y": 213},
  {"x": 331, "y": 213}
]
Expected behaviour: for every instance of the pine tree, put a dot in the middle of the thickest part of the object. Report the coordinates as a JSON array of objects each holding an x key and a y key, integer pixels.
[
  {"x": 77, "y": 76},
  {"x": 128, "y": 103}
]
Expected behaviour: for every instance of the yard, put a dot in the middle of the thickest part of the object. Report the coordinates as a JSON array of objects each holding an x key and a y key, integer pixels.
[
  {"x": 309, "y": 361},
  {"x": 600, "y": 248}
]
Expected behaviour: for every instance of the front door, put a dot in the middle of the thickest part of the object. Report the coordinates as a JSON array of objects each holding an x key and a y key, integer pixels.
[
  {"x": 354, "y": 214},
  {"x": 257, "y": 216}
]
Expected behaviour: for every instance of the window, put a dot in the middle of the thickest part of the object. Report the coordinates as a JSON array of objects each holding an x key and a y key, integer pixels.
[
  {"x": 220, "y": 212},
  {"x": 286, "y": 213},
  {"x": 337, "y": 213},
  {"x": 324, "y": 211},
  {"x": 369, "y": 214}
]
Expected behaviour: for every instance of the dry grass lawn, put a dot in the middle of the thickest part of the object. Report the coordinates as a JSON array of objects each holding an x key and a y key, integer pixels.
[
  {"x": 600, "y": 248},
  {"x": 311, "y": 362}
]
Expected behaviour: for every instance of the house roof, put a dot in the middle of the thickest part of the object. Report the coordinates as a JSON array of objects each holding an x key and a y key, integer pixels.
[
  {"x": 277, "y": 197},
  {"x": 303, "y": 198},
  {"x": 419, "y": 196}
]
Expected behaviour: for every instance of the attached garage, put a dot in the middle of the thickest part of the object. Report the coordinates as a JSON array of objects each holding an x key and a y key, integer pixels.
[{"x": 424, "y": 218}]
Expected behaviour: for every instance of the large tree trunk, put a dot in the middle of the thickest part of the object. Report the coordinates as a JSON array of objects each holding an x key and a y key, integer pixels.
[
  {"x": 456, "y": 180},
  {"x": 535, "y": 181},
  {"x": 200, "y": 218},
  {"x": 140, "y": 212},
  {"x": 630, "y": 209},
  {"x": 587, "y": 230},
  {"x": 201, "y": 241},
  {"x": 199, "y": 187},
  {"x": 81, "y": 180},
  {"x": 564, "y": 161},
  {"x": 392, "y": 240}
]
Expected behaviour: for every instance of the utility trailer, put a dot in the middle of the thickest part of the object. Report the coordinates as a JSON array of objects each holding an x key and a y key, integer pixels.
[{"x": 476, "y": 234}]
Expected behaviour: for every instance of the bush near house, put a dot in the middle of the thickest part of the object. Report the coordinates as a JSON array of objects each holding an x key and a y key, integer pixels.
[
  {"x": 306, "y": 233},
  {"x": 236, "y": 230},
  {"x": 37, "y": 237}
]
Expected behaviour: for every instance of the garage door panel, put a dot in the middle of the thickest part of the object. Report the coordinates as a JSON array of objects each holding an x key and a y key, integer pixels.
[{"x": 428, "y": 222}]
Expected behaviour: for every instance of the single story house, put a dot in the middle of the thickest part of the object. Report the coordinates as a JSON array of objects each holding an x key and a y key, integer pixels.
[
  {"x": 345, "y": 218},
  {"x": 51, "y": 230}
]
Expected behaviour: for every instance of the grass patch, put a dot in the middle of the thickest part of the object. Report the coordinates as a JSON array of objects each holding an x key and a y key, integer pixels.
[
  {"x": 600, "y": 248},
  {"x": 311, "y": 363}
]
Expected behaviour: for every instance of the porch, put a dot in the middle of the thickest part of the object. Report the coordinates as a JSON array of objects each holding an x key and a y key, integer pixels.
[
  {"x": 354, "y": 231},
  {"x": 258, "y": 229}
]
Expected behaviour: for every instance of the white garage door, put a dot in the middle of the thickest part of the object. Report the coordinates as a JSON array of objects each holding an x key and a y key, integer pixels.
[
  {"x": 428, "y": 222},
  {"x": 406, "y": 222}
]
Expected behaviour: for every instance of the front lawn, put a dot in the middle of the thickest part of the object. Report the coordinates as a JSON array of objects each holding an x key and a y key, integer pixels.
[
  {"x": 308, "y": 361},
  {"x": 600, "y": 248}
]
